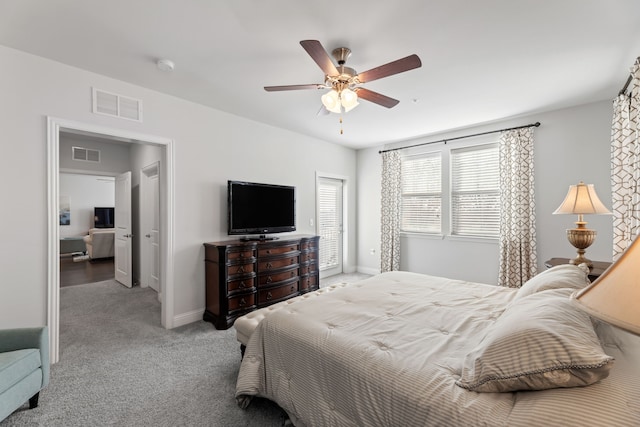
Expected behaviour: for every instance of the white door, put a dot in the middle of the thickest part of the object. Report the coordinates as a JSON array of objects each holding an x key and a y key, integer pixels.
[
  {"x": 122, "y": 250},
  {"x": 150, "y": 227},
  {"x": 330, "y": 225}
]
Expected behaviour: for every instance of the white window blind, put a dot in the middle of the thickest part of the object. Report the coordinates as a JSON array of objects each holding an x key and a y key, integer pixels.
[
  {"x": 329, "y": 224},
  {"x": 475, "y": 191},
  {"x": 421, "y": 204}
]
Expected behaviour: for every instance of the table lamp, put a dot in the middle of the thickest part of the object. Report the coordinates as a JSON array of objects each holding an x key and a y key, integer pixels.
[
  {"x": 615, "y": 296},
  {"x": 581, "y": 200}
]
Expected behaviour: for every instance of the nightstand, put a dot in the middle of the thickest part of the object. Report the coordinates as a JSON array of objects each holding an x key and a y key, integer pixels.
[{"x": 598, "y": 266}]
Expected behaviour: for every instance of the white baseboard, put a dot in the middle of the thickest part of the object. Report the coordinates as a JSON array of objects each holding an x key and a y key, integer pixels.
[
  {"x": 368, "y": 270},
  {"x": 186, "y": 318}
]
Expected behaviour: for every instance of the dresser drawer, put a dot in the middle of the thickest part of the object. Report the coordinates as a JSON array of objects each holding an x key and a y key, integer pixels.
[
  {"x": 233, "y": 270},
  {"x": 308, "y": 283},
  {"x": 241, "y": 284},
  {"x": 272, "y": 279},
  {"x": 313, "y": 267},
  {"x": 275, "y": 264},
  {"x": 242, "y": 302},
  {"x": 287, "y": 290},
  {"x": 248, "y": 254},
  {"x": 277, "y": 250}
]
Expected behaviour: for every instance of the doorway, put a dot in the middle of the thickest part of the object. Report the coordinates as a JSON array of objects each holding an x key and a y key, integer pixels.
[
  {"x": 54, "y": 127},
  {"x": 330, "y": 224}
]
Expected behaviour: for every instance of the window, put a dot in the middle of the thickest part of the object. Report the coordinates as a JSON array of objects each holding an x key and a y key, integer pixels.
[
  {"x": 421, "y": 204},
  {"x": 329, "y": 193},
  {"x": 475, "y": 192},
  {"x": 455, "y": 191}
]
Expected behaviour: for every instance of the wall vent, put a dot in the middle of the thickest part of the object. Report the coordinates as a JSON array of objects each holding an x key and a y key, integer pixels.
[
  {"x": 114, "y": 105},
  {"x": 85, "y": 154}
]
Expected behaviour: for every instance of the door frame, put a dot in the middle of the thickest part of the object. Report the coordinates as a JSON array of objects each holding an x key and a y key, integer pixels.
[
  {"x": 54, "y": 126},
  {"x": 345, "y": 223}
]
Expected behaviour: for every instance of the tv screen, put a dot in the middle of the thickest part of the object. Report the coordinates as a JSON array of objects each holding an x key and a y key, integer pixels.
[
  {"x": 103, "y": 217},
  {"x": 255, "y": 208}
]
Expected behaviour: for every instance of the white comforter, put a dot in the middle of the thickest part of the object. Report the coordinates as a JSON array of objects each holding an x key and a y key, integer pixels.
[{"x": 387, "y": 351}]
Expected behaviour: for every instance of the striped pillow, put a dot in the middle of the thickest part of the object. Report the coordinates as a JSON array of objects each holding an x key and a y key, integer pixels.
[
  {"x": 560, "y": 276},
  {"x": 541, "y": 341}
]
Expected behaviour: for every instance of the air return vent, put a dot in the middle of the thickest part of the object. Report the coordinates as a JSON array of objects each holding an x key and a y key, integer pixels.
[
  {"x": 85, "y": 154},
  {"x": 114, "y": 105}
]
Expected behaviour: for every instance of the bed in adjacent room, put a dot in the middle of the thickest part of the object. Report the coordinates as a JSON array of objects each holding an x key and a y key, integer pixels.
[{"x": 406, "y": 349}]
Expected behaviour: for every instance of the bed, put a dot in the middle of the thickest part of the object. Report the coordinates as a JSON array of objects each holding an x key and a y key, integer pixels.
[{"x": 406, "y": 349}]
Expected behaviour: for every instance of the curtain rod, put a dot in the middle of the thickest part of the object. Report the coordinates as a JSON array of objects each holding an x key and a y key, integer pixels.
[
  {"x": 536, "y": 124},
  {"x": 626, "y": 85}
]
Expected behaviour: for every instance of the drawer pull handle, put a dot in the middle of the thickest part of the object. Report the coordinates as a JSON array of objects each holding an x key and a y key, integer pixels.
[
  {"x": 241, "y": 255},
  {"x": 293, "y": 261},
  {"x": 241, "y": 269},
  {"x": 269, "y": 266},
  {"x": 268, "y": 251},
  {"x": 293, "y": 273},
  {"x": 293, "y": 288},
  {"x": 242, "y": 285},
  {"x": 269, "y": 279},
  {"x": 269, "y": 296},
  {"x": 242, "y": 302}
]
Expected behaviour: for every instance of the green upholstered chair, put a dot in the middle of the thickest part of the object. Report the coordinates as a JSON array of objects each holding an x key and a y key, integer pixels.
[{"x": 24, "y": 367}]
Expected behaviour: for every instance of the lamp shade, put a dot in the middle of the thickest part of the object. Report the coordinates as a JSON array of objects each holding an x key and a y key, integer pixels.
[
  {"x": 582, "y": 199},
  {"x": 331, "y": 100},
  {"x": 349, "y": 99},
  {"x": 615, "y": 296}
]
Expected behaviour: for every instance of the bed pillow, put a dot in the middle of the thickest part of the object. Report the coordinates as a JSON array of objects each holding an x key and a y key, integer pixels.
[
  {"x": 560, "y": 276},
  {"x": 541, "y": 341}
]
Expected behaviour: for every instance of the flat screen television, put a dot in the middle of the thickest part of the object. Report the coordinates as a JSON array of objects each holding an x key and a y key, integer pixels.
[
  {"x": 261, "y": 209},
  {"x": 103, "y": 217}
]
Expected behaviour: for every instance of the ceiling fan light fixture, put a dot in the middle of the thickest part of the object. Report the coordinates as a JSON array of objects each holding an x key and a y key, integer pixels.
[
  {"x": 331, "y": 101},
  {"x": 348, "y": 99}
]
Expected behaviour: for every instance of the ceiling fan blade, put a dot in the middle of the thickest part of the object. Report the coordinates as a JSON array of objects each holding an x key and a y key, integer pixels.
[
  {"x": 399, "y": 66},
  {"x": 318, "y": 54},
  {"x": 294, "y": 87},
  {"x": 376, "y": 97}
]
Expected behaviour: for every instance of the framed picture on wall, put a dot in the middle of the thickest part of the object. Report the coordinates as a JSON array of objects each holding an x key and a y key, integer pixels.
[{"x": 65, "y": 211}]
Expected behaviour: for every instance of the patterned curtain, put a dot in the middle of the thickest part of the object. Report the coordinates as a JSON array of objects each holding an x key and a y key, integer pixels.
[
  {"x": 518, "y": 259},
  {"x": 625, "y": 164},
  {"x": 391, "y": 193}
]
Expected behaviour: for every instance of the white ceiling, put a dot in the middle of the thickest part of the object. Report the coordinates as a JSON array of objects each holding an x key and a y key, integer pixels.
[{"x": 482, "y": 60}]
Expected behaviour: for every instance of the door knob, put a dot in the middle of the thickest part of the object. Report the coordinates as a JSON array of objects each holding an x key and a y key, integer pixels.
[{"x": 147, "y": 235}]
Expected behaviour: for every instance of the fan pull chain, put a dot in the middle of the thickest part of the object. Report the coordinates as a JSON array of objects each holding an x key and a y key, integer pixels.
[{"x": 341, "y": 132}]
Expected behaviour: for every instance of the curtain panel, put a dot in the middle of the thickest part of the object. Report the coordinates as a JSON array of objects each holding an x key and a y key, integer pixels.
[
  {"x": 390, "y": 220},
  {"x": 518, "y": 259},
  {"x": 625, "y": 164}
]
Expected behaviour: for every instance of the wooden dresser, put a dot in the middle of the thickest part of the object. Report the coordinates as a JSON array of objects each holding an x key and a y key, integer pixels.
[{"x": 242, "y": 276}]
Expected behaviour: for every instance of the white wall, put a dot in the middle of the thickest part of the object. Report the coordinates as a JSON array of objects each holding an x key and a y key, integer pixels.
[
  {"x": 85, "y": 192},
  {"x": 210, "y": 148},
  {"x": 114, "y": 157},
  {"x": 572, "y": 144}
]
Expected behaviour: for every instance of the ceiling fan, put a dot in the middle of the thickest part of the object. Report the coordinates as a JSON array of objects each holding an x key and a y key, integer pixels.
[{"x": 344, "y": 83}]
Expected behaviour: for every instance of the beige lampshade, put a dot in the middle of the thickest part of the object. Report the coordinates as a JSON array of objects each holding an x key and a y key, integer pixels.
[
  {"x": 615, "y": 296},
  {"x": 582, "y": 199}
]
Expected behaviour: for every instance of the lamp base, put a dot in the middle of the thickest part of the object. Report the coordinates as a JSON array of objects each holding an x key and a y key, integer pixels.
[
  {"x": 581, "y": 238},
  {"x": 580, "y": 259}
]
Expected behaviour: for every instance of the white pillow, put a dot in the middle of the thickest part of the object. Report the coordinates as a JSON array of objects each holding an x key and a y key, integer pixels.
[
  {"x": 560, "y": 276},
  {"x": 541, "y": 341}
]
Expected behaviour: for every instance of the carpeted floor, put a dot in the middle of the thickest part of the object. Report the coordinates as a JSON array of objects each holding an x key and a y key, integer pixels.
[{"x": 119, "y": 367}]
